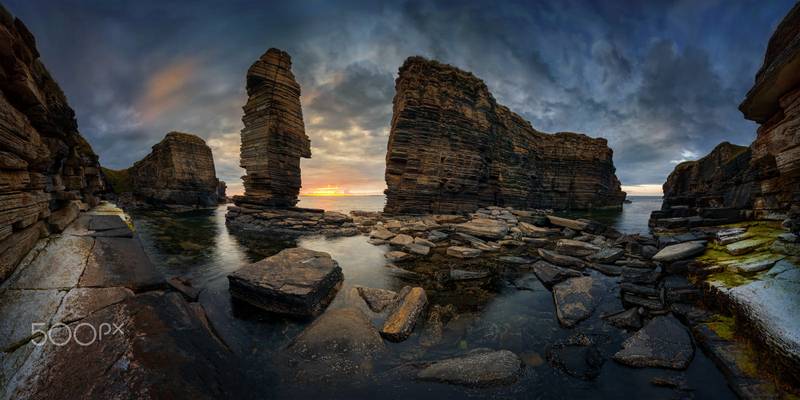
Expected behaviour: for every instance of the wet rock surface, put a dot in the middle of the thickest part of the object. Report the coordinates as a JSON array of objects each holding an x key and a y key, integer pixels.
[
  {"x": 662, "y": 343},
  {"x": 295, "y": 281},
  {"x": 576, "y": 299},
  {"x": 482, "y": 368},
  {"x": 408, "y": 308}
]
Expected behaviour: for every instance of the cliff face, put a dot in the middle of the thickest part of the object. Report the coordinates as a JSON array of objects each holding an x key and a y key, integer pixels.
[
  {"x": 274, "y": 137},
  {"x": 179, "y": 171},
  {"x": 47, "y": 170},
  {"x": 452, "y": 148},
  {"x": 762, "y": 181}
]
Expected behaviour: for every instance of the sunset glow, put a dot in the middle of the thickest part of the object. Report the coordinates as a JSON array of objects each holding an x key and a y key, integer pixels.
[{"x": 325, "y": 191}]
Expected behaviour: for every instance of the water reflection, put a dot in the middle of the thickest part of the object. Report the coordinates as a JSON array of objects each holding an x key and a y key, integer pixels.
[{"x": 631, "y": 219}]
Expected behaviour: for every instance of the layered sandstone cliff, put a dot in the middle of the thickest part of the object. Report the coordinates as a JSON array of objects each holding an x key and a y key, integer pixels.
[
  {"x": 179, "y": 171},
  {"x": 762, "y": 181},
  {"x": 47, "y": 170},
  {"x": 274, "y": 137},
  {"x": 452, "y": 148}
]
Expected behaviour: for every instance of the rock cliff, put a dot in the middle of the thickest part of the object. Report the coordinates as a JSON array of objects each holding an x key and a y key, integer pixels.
[
  {"x": 48, "y": 172},
  {"x": 179, "y": 171},
  {"x": 274, "y": 137},
  {"x": 762, "y": 181},
  {"x": 452, "y": 148}
]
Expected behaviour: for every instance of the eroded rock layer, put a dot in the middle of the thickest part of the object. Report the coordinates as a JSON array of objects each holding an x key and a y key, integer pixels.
[
  {"x": 452, "y": 148},
  {"x": 179, "y": 170},
  {"x": 48, "y": 171},
  {"x": 273, "y": 138},
  {"x": 762, "y": 181}
]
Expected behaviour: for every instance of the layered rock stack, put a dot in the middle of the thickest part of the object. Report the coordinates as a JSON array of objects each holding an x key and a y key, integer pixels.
[
  {"x": 179, "y": 171},
  {"x": 222, "y": 187},
  {"x": 452, "y": 148},
  {"x": 47, "y": 170},
  {"x": 762, "y": 181},
  {"x": 274, "y": 137}
]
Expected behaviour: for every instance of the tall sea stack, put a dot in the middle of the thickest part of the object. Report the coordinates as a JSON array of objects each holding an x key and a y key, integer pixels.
[
  {"x": 274, "y": 137},
  {"x": 761, "y": 181},
  {"x": 47, "y": 169},
  {"x": 453, "y": 149}
]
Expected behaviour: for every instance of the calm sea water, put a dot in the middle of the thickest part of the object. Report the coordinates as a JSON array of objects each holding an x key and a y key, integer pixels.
[{"x": 498, "y": 315}]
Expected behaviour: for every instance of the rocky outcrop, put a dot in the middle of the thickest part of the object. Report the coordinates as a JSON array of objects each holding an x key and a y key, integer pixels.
[
  {"x": 763, "y": 180},
  {"x": 452, "y": 148},
  {"x": 222, "y": 187},
  {"x": 48, "y": 171},
  {"x": 274, "y": 137},
  {"x": 179, "y": 171}
]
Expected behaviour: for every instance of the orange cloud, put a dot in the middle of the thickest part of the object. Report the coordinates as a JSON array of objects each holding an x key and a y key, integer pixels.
[{"x": 165, "y": 89}]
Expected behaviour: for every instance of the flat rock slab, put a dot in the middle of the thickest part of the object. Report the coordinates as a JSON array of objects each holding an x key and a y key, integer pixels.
[
  {"x": 81, "y": 302},
  {"x": 480, "y": 369},
  {"x": 106, "y": 223},
  {"x": 336, "y": 346},
  {"x": 771, "y": 306},
  {"x": 407, "y": 310},
  {"x": 562, "y": 260},
  {"x": 120, "y": 262},
  {"x": 575, "y": 299},
  {"x": 550, "y": 274},
  {"x": 746, "y": 246},
  {"x": 162, "y": 350},
  {"x": 662, "y": 343},
  {"x": 19, "y": 309},
  {"x": 121, "y": 233},
  {"x": 463, "y": 252},
  {"x": 381, "y": 233},
  {"x": 397, "y": 256},
  {"x": 295, "y": 281},
  {"x": 58, "y": 266},
  {"x": 568, "y": 223},
  {"x": 680, "y": 251},
  {"x": 608, "y": 255},
  {"x": 484, "y": 228},
  {"x": 575, "y": 248},
  {"x": 751, "y": 264}
]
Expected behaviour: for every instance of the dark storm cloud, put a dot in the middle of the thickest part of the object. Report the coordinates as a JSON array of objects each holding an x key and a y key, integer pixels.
[{"x": 660, "y": 80}]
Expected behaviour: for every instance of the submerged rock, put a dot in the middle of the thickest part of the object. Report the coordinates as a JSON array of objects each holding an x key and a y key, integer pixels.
[
  {"x": 662, "y": 343},
  {"x": 479, "y": 369},
  {"x": 407, "y": 310},
  {"x": 377, "y": 299},
  {"x": 336, "y": 346},
  {"x": 295, "y": 281},
  {"x": 575, "y": 299}
]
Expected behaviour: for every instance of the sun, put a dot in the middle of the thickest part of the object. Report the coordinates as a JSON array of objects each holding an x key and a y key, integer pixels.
[{"x": 326, "y": 191}]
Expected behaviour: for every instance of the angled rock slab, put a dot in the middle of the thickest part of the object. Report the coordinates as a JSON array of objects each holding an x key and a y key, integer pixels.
[
  {"x": 479, "y": 369},
  {"x": 562, "y": 260},
  {"x": 463, "y": 252},
  {"x": 484, "y": 228},
  {"x": 403, "y": 317},
  {"x": 575, "y": 248},
  {"x": 336, "y": 346},
  {"x": 662, "y": 343},
  {"x": 607, "y": 255},
  {"x": 576, "y": 300},
  {"x": 58, "y": 266},
  {"x": 120, "y": 233},
  {"x": 568, "y": 223},
  {"x": 20, "y": 309},
  {"x": 296, "y": 281},
  {"x": 80, "y": 302},
  {"x": 162, "y": 350},
  {"x": 746, "y": 246},
  {"x": 550, "y": 274},
  {"x": 377, "y": 299},
  {"x": 680, "y": 251},
  {"x": 120, "y": 262},
  {"x": 106, "y": 223}
]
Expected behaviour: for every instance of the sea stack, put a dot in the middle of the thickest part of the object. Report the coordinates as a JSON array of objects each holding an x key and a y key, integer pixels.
[
  {"x": 48, "y": 171},
  {"x": 178, "y": 172},
  {"x": 761, "y": 181},
  {"x": 452, "y": 149},
  {"x": 274, "y": 137}
]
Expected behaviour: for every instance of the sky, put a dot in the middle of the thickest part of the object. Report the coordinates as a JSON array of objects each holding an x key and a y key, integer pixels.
[{"x": 661, "y": 80}]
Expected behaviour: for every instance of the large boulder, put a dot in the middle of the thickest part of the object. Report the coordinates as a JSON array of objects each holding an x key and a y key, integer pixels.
[{"x": 296, "y": 281}]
